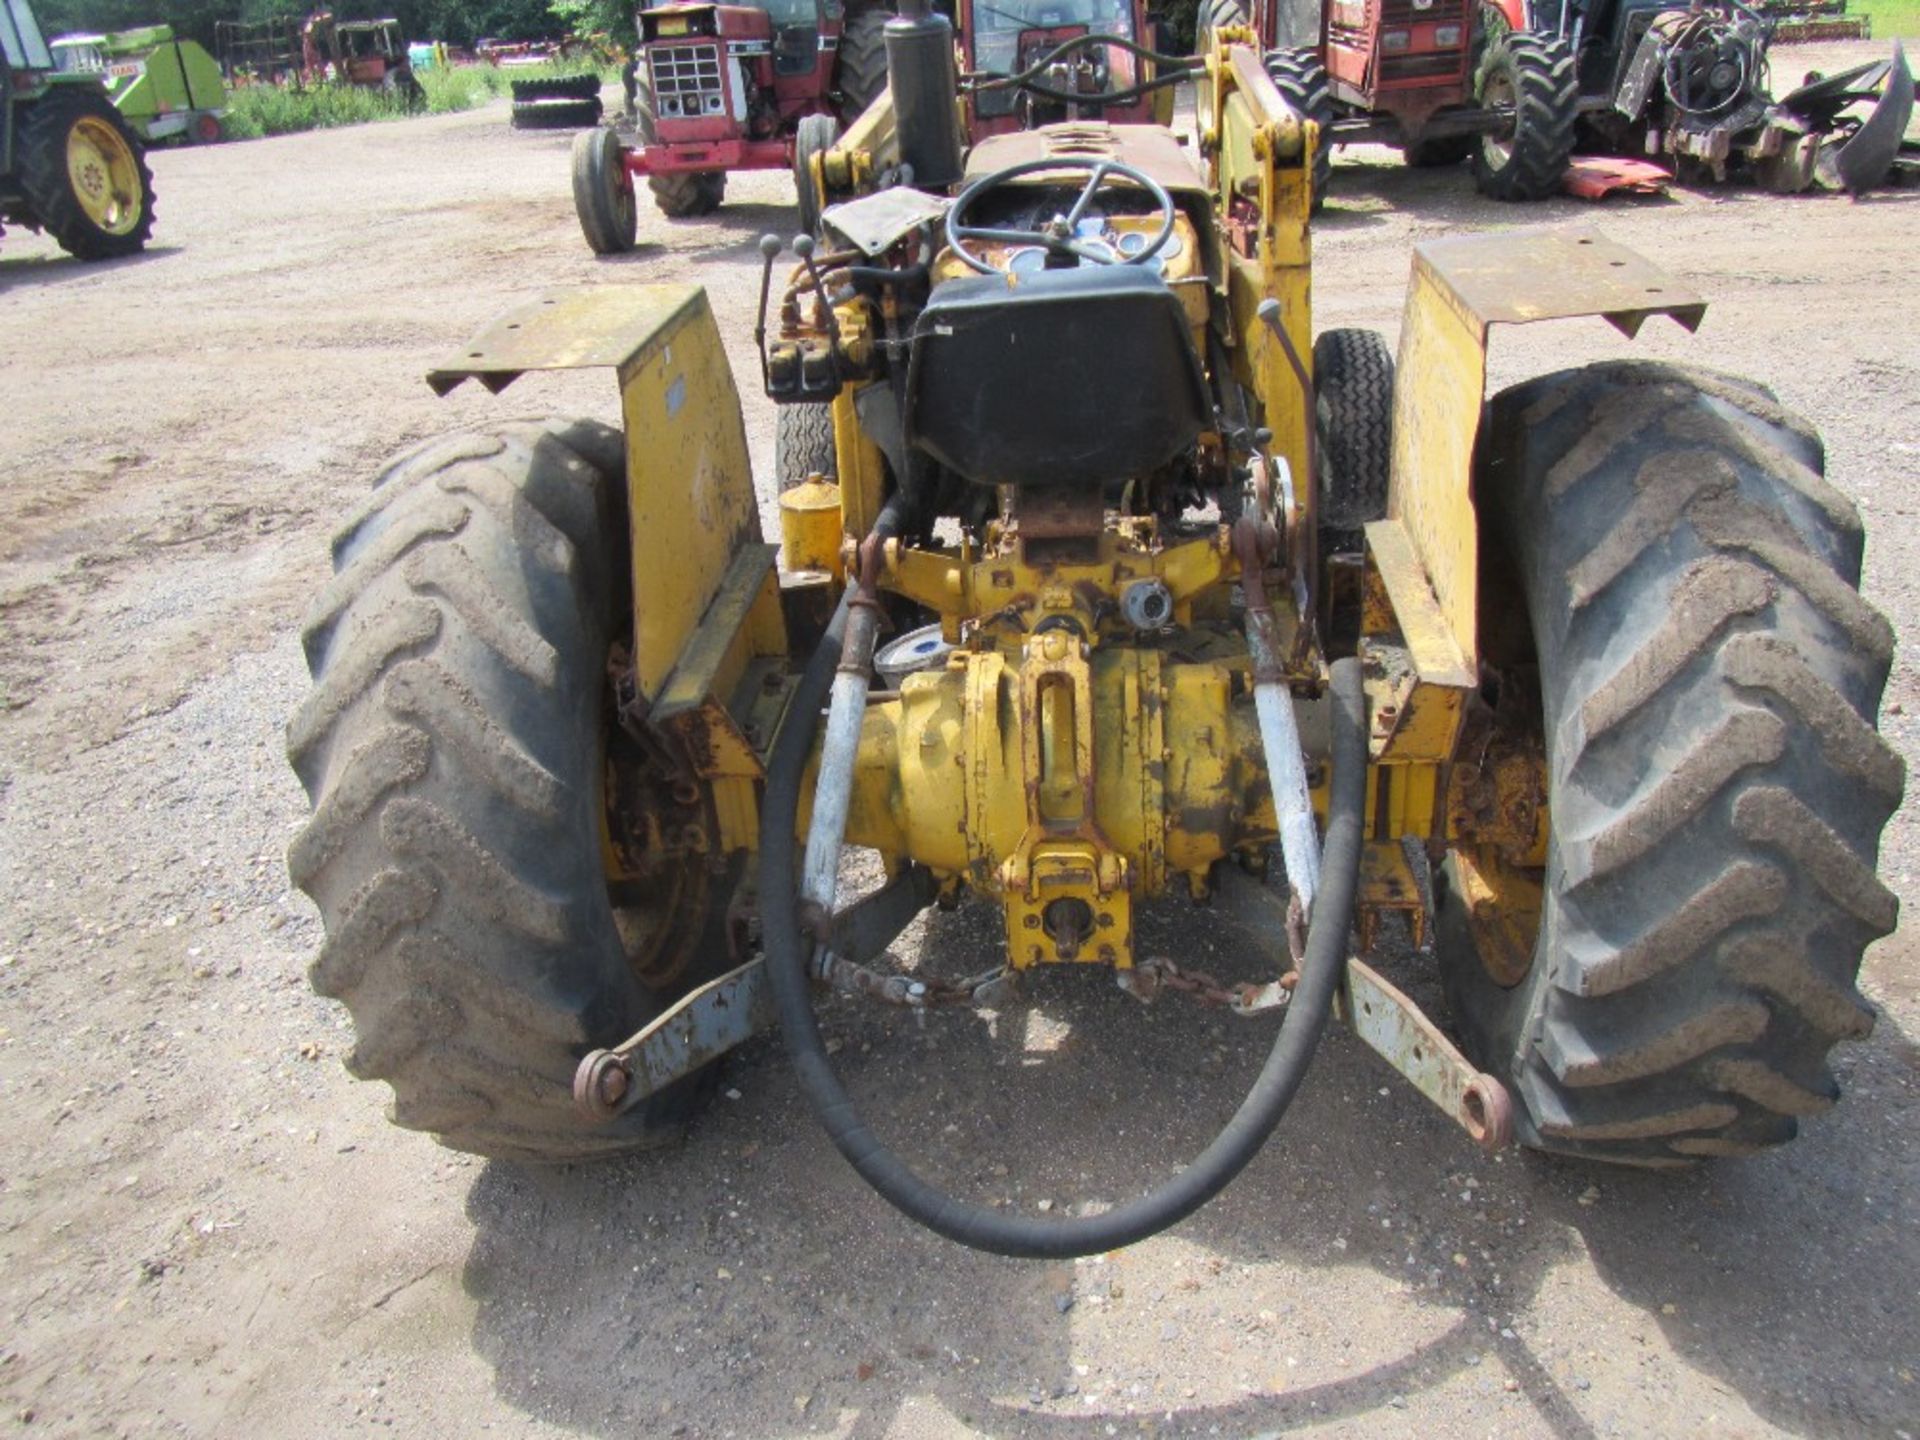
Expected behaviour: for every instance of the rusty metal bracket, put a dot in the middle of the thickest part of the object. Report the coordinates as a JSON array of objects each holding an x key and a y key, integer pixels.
[
  {"x": 695, "y": 1031},
  {"x": 579, "y": 328},
  {"x": 1400, "y": 1031},
  {"x": 729, "y": 1011}
]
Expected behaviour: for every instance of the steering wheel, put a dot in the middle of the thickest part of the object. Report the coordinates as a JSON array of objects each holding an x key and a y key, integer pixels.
[{"x": 1057, "y": 234}]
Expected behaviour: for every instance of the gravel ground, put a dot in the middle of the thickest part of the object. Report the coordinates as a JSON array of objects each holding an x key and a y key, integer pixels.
[{"x": 207, "y": 1228}]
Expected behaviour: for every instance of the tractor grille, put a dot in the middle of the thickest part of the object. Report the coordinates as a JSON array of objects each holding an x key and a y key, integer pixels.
[
  {"x": 686, "y": 81},
  {"x": 1399, "y": 13}
]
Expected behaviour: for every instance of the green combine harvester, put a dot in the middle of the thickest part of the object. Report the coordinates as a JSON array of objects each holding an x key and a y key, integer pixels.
[
  {"x": 166, "y": 89},
  {"x": 69, "y": 164}
]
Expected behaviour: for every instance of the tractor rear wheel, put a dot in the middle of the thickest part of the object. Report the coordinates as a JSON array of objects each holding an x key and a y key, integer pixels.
[
  {"x": 603, "y": 192},
  {"x": 862, "y": 72},
  {"x": 815, "y": 136},
  {"x": 1534, "y": 74},
  {"x": 803, "y": 444},
  {"x": 1302, "y": 81},
  {"x": 1353, "y": 430},
  {"x": 456, "y": 746},
  {"x": 1709, "y": 679},
  {"x": 85, "y": 175}
]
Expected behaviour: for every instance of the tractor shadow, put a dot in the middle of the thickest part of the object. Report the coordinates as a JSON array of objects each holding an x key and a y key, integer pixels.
[
  {"x": 743, "y": 223},
  {"x": 57, "y": 268},
  {"x": 1369, "y": 1258}
]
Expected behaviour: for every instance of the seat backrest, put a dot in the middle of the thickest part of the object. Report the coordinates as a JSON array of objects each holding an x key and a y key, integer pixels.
[{"x": 1082, "y": 376}]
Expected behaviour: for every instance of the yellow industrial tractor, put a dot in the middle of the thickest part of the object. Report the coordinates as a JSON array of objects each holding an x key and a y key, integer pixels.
[{"x": 1096, "y": 589}]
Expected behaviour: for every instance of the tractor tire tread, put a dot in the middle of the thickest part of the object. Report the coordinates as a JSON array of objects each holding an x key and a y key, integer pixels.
[
  {"x": 1301, "y": 79},
  {"x": 41, "y": 160},
  {"x": 558, "y": 87},
  {"x": 602, "y": 196},
  {"x": 555, "y": 114},
  {"x": 803, "y": 444},
  {"x": 446, "y": 748},
  {"x": 862, "y": 70},
  {"x": 1718, "y": 786},
  {"x": 1353, "y": 401},
  {"x": 1546, "y": 110},
  {"x": 815, "y": 134}
]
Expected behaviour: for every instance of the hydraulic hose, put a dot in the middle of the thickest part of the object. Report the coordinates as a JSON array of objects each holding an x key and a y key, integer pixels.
[
  {"x": 1183, "y": 67},
  {"x": 788, "y": 950}
]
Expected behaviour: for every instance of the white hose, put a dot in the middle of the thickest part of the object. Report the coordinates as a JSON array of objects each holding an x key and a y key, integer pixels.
[
  {"x": 1287, "y": 774},
  {"x": 833, "y": 787}
]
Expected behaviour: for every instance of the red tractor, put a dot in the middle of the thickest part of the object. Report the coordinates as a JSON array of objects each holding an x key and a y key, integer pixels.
[
  {"x": 1011, "y": 37},
  {"x": 1442, "y": 79},
  {"x": 752, "y": 86}
]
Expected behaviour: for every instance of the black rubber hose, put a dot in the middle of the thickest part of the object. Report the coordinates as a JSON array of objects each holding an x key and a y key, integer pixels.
[
  {"x": 1104, "y": 97},
  {"x": 788, "y": 950}
]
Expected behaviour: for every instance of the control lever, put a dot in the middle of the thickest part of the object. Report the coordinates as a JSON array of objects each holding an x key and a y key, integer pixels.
[{"x": 770, "y": 248}]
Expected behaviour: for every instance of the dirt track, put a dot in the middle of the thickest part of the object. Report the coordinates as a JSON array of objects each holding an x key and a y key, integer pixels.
[{"x": 207, "y": 1228}]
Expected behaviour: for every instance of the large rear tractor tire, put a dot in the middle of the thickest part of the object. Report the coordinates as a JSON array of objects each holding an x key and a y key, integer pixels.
[
  {"x": 456, "y": 747},
  {"x": 85, "y": 175},
  {"x": 603, "y": 192},
  {"x": 1353, "y": 430},
  {"x": 1302, "y": 81},
  {"x": 803, "y": 444},
  {"x": 1709, "y": 679},
  {"x": 1535, "y": 75},
  {"x": 862, "y": 71}
]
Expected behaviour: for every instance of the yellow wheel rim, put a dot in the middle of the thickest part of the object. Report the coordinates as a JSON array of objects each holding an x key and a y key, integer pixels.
[{"x": 105, "y": 174}]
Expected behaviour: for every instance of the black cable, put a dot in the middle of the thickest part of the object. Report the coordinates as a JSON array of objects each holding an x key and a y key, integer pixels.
[
  {"x": 1083, "y": 42},
  {"x": 1321, "y": 968},
  {"x": 1105, "y": 97}
]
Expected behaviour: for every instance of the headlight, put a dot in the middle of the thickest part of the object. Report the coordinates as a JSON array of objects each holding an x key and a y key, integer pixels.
[
  {"x": 1446, "y": 35},
  {"x": 1392, "y": 40}
]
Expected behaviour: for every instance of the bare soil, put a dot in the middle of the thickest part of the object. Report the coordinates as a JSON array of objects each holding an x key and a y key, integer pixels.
[{"x": 206, "y": 1227}]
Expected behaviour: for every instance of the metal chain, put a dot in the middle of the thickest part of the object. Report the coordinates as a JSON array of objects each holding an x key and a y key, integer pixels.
[
  {"x": 1245, "y": 998},
  {"x": 994, "y": 988},
  {"x": 990, "y": 989}
]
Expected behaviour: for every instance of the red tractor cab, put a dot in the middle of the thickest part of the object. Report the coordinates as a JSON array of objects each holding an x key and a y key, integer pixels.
[
  {"x": 1444, "y": 80},
  {"x": 716, "y": 88},
  {"x": 1010, "y": 37}
]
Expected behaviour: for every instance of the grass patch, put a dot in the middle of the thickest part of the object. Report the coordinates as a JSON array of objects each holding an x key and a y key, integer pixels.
[
  {"x": 1892, "y": 19},
  {"x": 257, "y": 110}
]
